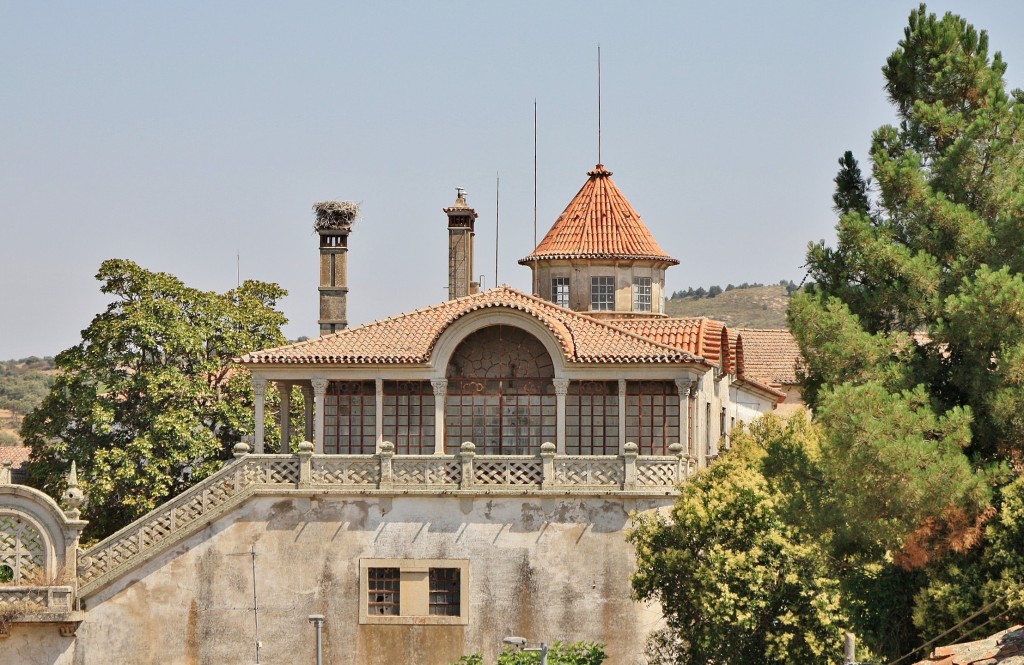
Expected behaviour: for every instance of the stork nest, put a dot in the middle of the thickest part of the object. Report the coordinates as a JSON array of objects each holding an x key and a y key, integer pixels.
[{"x": 334, "y": 214}]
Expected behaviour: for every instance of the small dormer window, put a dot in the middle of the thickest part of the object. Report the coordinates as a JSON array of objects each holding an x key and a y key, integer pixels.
[
  {"x": 641, "y": 294},
  {"x": 602, "y": 293},
  {"x": 560, "y": 291}
]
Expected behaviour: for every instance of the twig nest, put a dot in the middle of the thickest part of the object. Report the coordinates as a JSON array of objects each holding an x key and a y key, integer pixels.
[{"x": 334, "y": 214}]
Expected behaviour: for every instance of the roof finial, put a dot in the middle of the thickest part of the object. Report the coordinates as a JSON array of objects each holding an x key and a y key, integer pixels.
[{"x": 73, "y": 496}]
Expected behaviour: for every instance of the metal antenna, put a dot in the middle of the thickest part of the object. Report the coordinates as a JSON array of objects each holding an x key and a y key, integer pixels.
[
  {"x": 497, "y": 217},
  {"x": 535, "y": 172},
  {"x": 598, "y": 103},
  {"x": 238, "y": 268}
]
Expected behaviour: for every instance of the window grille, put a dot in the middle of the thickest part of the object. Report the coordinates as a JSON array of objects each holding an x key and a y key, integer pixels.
[
  {"x": 22, "y": 557},
  {"x": 445, "y": 592},
  {"x": 384, "y": 592},
  {"x": 602, "y": 293},
  {"x": 641, "y": 294},
  {"x": 560, "y": 291},
  {"x": 409, "y": 416},
  {"x": 350, "y": 418},
  {"x": 592, "y": 418},
  {"x": 652, "y": 415}
]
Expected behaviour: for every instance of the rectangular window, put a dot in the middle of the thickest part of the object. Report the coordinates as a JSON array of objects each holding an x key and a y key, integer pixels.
[
  {"x": 384, "y": 592},
  {"x": 560, "y": 291},
  {"x": 350, "y": 418},
  {"x": 602, "y": 293},
  {"x": 445, "y": 592},
  {"x": 409, "y": 416},
  {"x": 641, "y": 294},
  {"x": 592, "y": 418},
  {"x": 414, "y": 591},
  {"x": 652, "y": 415}
]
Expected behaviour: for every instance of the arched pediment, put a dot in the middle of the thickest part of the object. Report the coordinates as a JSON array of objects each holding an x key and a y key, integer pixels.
[{"x": 461, "y": 328}]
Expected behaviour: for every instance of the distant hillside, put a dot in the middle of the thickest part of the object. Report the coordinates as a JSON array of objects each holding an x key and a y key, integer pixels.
[
  {"x": 23, "y": 385},
  {"x": 754, "y": 307}
]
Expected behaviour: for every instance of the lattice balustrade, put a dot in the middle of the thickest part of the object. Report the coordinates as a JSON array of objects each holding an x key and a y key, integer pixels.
[
  {"x": 588, "y": 472},
  {"x": 426, "y": 471},
  {"x": 507, "y": 471},
  {"x": 22, "y": 549},
  {"x": 656, "y": 473},
  {"x": 361, "y": 470}
]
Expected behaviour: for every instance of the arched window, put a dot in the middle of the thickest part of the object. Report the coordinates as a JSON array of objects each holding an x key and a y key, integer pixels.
[
  {"x": 500, "y": 394},
  {"x": 22, "y": 551}
]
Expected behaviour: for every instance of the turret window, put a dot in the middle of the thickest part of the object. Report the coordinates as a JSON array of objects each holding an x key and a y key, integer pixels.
[
  {"x": 641, "y": 294},
  {"x": 560, "y": 291},
  {"x": 602, "y": 293}
]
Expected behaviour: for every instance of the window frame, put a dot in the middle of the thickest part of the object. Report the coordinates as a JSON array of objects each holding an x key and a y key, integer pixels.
[
  {"x": 602, "y": 293},
  {"x": 643, "y": 294},
  {"x": 560, "y": 291},
  {"x": 414, "y": 592}
]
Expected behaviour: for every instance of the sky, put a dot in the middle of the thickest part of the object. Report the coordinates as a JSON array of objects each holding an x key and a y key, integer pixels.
[{"x": 194, "y": 137}]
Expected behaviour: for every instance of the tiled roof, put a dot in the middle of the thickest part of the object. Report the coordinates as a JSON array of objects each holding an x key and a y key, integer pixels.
[
  {"x": 1005, "y": 648},
  {"x": 770, "y": 355},
  {"x": 410, "y": 338},
  {"x": 599, "y": 223},
  {"x": 17, "y": 455},
  {"x": 700, "y": 336}
]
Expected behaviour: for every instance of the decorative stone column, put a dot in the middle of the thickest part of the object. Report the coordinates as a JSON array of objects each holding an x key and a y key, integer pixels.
[
  {"x": 307, "y": 402},
  {"x": 683, "y": 391},
  {"x": 440, "y": 387},
  {"x": 319, "y": 390},
  {"x": 561, "y": 388},
  {"x": 622, "y": 416},
  {"x": 284, "y": 389},
  {"x": 259, "y": 389},
  {"x": 378, "y": 388}
]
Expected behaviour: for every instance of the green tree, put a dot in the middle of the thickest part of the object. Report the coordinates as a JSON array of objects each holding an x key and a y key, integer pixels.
[
  {"x": 560, "y": 653},
  {"x": 740, "y": 580},
  {"x": 149, "y": 401}
]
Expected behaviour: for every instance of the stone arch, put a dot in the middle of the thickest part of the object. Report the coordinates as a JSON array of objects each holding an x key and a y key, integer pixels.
[{"x": 24, "y": 550}]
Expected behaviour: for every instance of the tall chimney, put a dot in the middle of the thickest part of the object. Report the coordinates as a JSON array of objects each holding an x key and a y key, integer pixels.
[
  {"x": 461, "y": 219},
  {"x": 333, "y": 224}
]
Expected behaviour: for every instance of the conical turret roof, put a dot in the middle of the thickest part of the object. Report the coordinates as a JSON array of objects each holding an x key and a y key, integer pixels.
[{"x": 599, "y": 223}]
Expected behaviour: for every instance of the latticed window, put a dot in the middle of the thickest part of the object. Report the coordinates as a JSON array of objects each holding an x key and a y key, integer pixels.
[
  {"x": 500, "y": 394},
  {"x": 652, "y": 415},
  {"x": 592, "y": 418},
  {"x": 409, "y": 416},
  {"x": 350, "y": 418},
  {"x": 445, "y": 592},
  {"x": 602, "y": 293},
  {"x": 641, "y": 294},
  {"x": 560, "y": 291},
  {"x": 384, "y": 588},
  {"x": 22, "y": 551}
]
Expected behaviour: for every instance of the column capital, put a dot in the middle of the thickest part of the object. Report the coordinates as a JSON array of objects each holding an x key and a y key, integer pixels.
[
  {"x": 440, "y": 387},
  {"x": 319, "y": 386},
  {"x": 259, "y": 385},
  {"x": 561, "y": 386}
]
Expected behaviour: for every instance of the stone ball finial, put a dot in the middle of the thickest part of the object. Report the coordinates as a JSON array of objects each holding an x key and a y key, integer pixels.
[
  {"x": 547, "y": 448},
  {"x": 241, "y": 449},
  {"x": 468, "y": 447},
  {"x": 305, "y": 447},
  {"x": 676, "y": 449}
]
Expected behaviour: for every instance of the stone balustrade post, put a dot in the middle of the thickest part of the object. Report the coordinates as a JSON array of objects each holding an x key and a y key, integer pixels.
[
  {"x": 466, "y": 453},
  {"x": 305, "y": 462},
  {"x": 629, "y": 472},
  {"x": 676, "y": 450},
  {"x": 387, "y": 451},
  {"x": 5, "y": 472},
  {"x": 547, "y": 456}
]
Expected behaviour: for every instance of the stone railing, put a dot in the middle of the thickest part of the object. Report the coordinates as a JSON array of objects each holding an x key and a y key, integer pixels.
[
  {"x": 465, "y": 472},
  {"x": 37, "y": 599}
]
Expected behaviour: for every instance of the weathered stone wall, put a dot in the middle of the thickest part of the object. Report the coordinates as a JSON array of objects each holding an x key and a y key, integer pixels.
[{"x": 545, "y": 568}]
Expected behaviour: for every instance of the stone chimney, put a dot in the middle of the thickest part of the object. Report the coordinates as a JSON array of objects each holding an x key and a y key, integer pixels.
[
  {"x": 333, "y": 224},
  {"x": 461, "y": 220}
]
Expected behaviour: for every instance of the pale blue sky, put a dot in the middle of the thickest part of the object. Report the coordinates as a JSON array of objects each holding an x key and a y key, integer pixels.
[{"x": 175, "y": 134}]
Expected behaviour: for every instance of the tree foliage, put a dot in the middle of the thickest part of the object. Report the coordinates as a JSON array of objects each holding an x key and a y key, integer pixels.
[
  {"x": 560, "y": 653},
  {"x": 149, "y": 402},
  {"x": 740, "y": 580}
]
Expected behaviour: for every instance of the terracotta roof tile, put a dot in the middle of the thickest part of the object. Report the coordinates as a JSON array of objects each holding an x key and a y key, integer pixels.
[
  {"x": 17, "y": 455},
  {"x": 770, "y": 355},
  {"x": 699, "y": 336},
  {"x": 599, "y": 223},
  {"x": 410, "y": 338}
]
